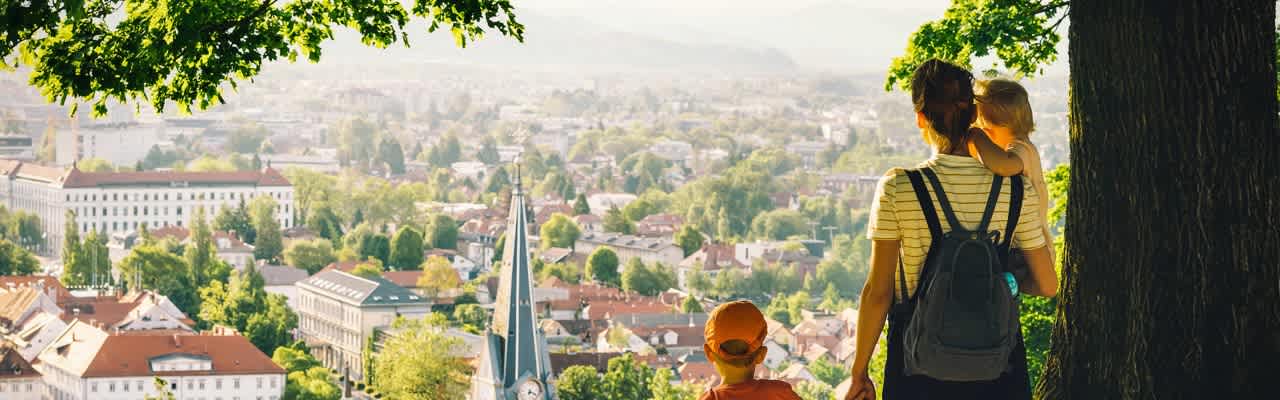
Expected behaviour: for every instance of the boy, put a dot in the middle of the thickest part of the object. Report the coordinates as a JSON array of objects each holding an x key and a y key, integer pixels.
[
  {"x": 1004, "y": 115},
  {"x": 735, "y": 344}
]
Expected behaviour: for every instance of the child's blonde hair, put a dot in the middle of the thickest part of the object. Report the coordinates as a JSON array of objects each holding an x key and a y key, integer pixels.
[{"x": 1003, "y": 102}]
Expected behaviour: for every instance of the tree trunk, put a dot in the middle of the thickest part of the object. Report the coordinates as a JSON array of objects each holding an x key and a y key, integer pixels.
[{"x": 1172, "y": 271}]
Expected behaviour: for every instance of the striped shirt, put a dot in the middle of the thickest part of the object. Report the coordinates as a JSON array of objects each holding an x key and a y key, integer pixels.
[{"x": 896, "y": 215}]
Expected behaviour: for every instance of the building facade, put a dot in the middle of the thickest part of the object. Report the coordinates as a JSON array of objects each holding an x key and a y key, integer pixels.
[
  {"x": 338, "y": 312},
  {"x": 86, "y": 362},
  {"x": 111, "y": 202},
  {"x": 18, "y": 380},
  {"x": 649, "y": 250}
]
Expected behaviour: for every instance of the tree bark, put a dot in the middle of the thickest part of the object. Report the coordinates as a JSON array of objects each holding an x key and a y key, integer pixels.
[{"x": 1171, "y": 278}]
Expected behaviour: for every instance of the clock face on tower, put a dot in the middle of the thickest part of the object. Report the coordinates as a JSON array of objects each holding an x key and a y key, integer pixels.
[{"x": 529, "y": 390}]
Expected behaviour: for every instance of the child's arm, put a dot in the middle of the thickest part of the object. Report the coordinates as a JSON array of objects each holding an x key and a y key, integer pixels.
[{"x": 996, "y": 159}]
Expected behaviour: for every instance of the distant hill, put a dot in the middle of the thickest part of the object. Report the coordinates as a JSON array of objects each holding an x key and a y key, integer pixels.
[{"x": 569, "y": 42}]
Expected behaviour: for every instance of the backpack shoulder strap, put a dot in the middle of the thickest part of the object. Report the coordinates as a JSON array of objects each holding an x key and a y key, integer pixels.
[
  {"x": 942, "y": 201},
  {"x": 926, "y": 204},
  {"x": 1015, "y": 209},
  {"x": 992, "y": 199}
]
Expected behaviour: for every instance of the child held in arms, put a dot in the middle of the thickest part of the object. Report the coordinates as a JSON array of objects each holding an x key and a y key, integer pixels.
[
  {"x": 735, "y": 344},
  {"x": 1004, "y": 115}
]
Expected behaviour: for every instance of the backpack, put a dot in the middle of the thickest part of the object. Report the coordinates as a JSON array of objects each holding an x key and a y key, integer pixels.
[{"x": 963, "y": 316}]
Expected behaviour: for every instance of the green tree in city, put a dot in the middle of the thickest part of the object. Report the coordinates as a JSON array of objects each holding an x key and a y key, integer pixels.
[
  {"x": 243, "y": 303},
  {"x": 471, "y": 317},
  {"x": 75, "y": 265},
  {"x": 269, "y": 242},
  {"x": 602, "y": 267},
  {"x": 391, "y": 154},
  {"x": 627, "y": 379},
  {"x": 779, "y": 225},
  {"x": 419, "y": 362},
  {"x": 616, "y": 221},
  {"x": 499, "y": 247},
  {"x": 567, "y": 273},
  {"x": 580, "y": 206},
  {"x": 324, "y": 222},
  {"x": 151, "y": 267},
  {"x": 691, "y": 305},
  {"x": 559, "y": 231},
  {"x": 488, "y": 152},
  {"x": 810, "y": 390},
  {"x": 406, "y": 249},
  {"x": 580, "y": 382},
  {"x": 310, "y": 255},
  {"x": 368, "y": 269},
  {"x": 697, "y": 281},
  {"x": 689, "y": 239},
  {"x": 94, "y": 165},
  {"x": 15, "y": 260},
  {"x": 442, "y": 232},
  {"x": 201, "y": 255},
  {"x": 306, "y": 378},
  {"x": 661, "y": 388},
  {"x": 437, "y": 276},
  {"x": 235, "y": 219},
  {"x": 828, "y": 372}
]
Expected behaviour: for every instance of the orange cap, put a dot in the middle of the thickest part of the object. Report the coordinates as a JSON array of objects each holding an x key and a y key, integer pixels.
[{"x": 738, "y": 320}]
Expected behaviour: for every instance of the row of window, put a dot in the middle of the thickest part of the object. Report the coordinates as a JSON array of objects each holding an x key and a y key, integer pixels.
[
  {"x": 17, "y": 387},
  {"x": 192, "y": 384},
  {"x": 93, "y": 197}
]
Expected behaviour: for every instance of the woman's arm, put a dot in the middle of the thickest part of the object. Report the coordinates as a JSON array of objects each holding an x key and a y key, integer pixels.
[
  {"x": 996, "y": 159},
  {"x": 877, "y": 296},
  {"x": 1044, "y": 281}
]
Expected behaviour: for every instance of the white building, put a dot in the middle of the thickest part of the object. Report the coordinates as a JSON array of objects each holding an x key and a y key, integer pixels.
[
  {"x": 337, "y": 313},
  {"x": 18, "y": 380},
  {"x": 649, "y": 250},
  {"x": 89, "y": 363},
  {"x": 17, "y": 147},
  {"x": 111, "y": 202},
  {"x": 117, "y": 143}
]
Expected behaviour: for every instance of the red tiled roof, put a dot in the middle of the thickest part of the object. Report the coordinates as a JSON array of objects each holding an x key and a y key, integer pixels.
[
  {"x": 80, "y": 179},
  {"x": 404, "y": 279},
  {"x": 49, "y": 283},
  {"x": 130, "y": 355},
  {"x": 713, "y": 257},
  {"x": 607, "y": 309},
  {"x": 172, "y": 231}
]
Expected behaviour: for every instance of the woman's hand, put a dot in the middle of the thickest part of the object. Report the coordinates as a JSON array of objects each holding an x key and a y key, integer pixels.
[{"x": 861, "y": 388}]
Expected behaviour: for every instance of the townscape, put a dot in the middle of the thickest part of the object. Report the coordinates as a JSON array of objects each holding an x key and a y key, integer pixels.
[{"x": 317, "y": 236}]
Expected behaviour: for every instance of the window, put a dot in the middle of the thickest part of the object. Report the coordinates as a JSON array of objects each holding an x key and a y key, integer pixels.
[
  {"x": 139, "y": 385},
  {"x": 191, "y": 384},
  {"x": 235, "y": 384},
  {"x": 273, "y": 385},
  {"x": 217, "y": 383},
  {"x": 202, "y": 384},
  {"x": 259, "y": 382},
  {"x": 111, "y": 386}
]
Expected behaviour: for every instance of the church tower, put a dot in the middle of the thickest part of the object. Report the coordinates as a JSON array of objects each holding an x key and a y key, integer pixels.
[{"x": 514, "y": 364}]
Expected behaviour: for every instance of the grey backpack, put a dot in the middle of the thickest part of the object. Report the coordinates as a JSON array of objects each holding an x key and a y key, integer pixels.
[{"x": 964, "y": 324}]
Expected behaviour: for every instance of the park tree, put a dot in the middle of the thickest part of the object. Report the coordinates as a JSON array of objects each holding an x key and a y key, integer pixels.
[
  {"x": 152, "y": 267},
  {"x": 406, "y": 249},
  {"x": 1194, "y": 175},
  {"x": 369, "y": 269},
  {"x": 74, "y": 263},
  {"x": 580, "y": 205},
  {"x": 325, "y": 222},
  {"x": 437, "y": 276},
  {"x": 209, "y": 46},
  {"x": 235, "y": 219},
  {"x": 689, "y": 239},
  {"x": 691, "y": 305},
  {"x": 471, "y": 317},
  {"x": 391, "y": 154},
  {"x": 269, "y": 242},
  {"x": 811, "y": 390},
  {"x": 602, "y": 267},
  {"x": 15, "y": 260},
  {"x": 488, "y": 152},
  {"x": 661, "y": 388},
  {"x": 442, "y": 232},
  {"x": 616, "y": 221},
  {"x": 306, "y": 378},
  {"x": 242, "y": 303},
  {"x": 559, "y": 231},
  {"x": 310, "y": 255},
  {"x": 580, "y": 382},
  {"x": 627, "y": 379},
  {"x": 420, "y": 362}
]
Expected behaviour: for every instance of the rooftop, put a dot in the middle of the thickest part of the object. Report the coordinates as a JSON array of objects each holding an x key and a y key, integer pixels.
[
  {"x": 75, "y": 178},
  {"x": 361, "y": 291}
]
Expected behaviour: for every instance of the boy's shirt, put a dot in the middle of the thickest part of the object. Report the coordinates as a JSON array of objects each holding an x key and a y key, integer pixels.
[{"x": 756, "y": 389}]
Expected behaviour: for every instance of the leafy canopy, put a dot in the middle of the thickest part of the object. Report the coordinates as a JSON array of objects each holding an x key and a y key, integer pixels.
[
  {"x": 187, "y": 52},
  {"x": 1021, "y": 33}
]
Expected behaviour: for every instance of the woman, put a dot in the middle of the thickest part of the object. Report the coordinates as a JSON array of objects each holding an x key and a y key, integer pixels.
[{"x": 943, "y": 97}]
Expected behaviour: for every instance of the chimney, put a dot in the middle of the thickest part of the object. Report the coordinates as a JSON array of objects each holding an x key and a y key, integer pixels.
[{"x": 177, "y": 342}]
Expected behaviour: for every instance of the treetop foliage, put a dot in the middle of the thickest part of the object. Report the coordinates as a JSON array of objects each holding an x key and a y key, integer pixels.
[
  {"x": 127, "y": 50},
  {"x": 1021, "y": 33}
]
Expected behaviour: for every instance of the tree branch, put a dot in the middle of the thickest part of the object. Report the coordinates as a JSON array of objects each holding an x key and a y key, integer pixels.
[
  {"x": 1051, "y": 7},
  {"x": 237, "y": 24},
  {"x": 1054, "y": 27}
]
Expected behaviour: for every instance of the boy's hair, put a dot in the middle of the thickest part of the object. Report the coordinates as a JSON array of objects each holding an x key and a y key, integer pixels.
[
  {"x": 1003, "y": 102},
  {"x": 739, "y": 349},
  {"x": 943, "y": 93}
]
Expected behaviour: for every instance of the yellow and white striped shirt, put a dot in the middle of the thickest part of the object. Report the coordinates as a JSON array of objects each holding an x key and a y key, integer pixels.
[{"x": 896, "y": 215}]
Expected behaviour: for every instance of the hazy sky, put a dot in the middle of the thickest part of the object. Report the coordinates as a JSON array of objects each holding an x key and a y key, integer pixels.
[{"x": 704, "y": 7}]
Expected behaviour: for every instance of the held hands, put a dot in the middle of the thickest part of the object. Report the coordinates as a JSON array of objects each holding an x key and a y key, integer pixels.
[{"x": 861, "y": 388}]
